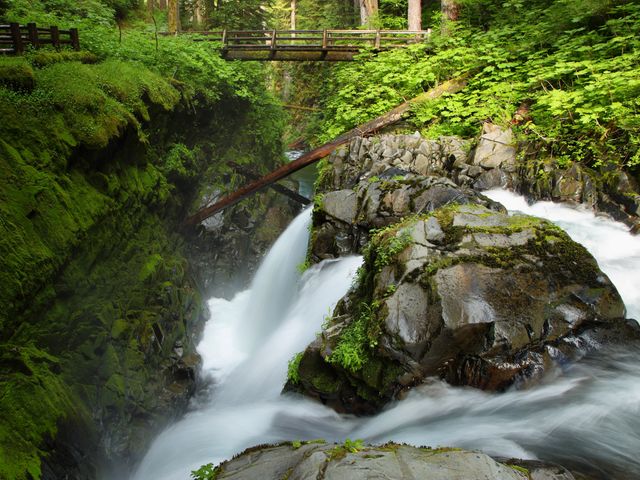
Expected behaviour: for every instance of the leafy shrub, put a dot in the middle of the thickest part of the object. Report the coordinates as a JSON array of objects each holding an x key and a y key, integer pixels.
[{"x": 570, "y": 66}]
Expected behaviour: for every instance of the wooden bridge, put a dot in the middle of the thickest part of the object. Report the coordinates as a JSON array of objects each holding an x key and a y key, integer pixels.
[
  {"x": 305, "y": 45},
  {"x": 15, "y": 38}
]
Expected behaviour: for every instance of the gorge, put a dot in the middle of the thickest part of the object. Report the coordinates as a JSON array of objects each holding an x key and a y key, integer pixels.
[{"x": 461, "y": 295}]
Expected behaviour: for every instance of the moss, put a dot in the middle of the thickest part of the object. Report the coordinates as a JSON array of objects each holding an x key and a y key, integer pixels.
[
  {"x": 325, "y": 383},
  {"x": 519, "y": 469},
  {"x": 325, "y": 176},
  {"x": 17, "y": 74},
  {"x": 34, "y": 398},
  {"x": 95, "y": 177},
  {"x": 41, "y": 58},
  {"x": 340, "y": 451}
]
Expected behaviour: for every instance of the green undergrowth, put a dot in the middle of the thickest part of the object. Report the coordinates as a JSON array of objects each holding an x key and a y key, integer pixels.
[{"x": 564, "y": 73}]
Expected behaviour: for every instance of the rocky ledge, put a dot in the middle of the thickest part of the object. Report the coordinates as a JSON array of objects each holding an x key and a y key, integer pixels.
[
  {"x": 451, "y": 286},
  {"x": 301, "y": 460}
]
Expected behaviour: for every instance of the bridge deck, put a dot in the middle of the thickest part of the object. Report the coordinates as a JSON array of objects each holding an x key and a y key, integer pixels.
[{"x": 305, "y": 45}]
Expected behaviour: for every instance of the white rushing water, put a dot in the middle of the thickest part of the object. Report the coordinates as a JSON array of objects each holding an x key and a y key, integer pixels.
[{"x": 589, "y": 417}]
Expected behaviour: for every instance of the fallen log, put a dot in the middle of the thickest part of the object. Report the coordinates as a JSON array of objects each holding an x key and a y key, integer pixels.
[
  {"x": 287, "y": 192},
  {"x": 372, "y": 126}
]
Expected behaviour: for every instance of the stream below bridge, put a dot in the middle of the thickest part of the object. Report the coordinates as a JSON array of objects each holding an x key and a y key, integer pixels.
[{"x": 586, "y": 418}]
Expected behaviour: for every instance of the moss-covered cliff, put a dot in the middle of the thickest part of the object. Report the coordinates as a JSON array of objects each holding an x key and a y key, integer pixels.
[{"x": 100, "y": 163}]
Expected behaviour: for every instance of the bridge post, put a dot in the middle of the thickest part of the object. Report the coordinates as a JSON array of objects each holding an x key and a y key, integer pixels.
[
  {"x": 75, "y": 38},
  {"x": 274, "y": 36},
  {"x": 377, "y": 41},
  {"x": 16, "y": 37},
  {"x": 33, "y": 35},
  {"x": 55, "y": 37}
]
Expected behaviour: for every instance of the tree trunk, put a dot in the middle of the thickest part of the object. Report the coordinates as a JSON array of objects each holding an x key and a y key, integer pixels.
[
  {"x": 199, "y": 8},
  {"x": 162, "y": 4},
  {"x": 450, "y": 10},
  {"x": 150, "y": 7},
  {"x": 368, "y": 128},
  {"x": 173, "y": 16},
  {"x": 414, "y": 15},
  {"x": 293, "y": 15},
  {"x": 368, "y": 12}
]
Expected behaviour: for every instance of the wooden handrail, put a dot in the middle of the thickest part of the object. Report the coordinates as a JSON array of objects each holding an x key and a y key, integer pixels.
[
  {"x": 19, "y": 37},
  {"x": 304, "y": 45}
]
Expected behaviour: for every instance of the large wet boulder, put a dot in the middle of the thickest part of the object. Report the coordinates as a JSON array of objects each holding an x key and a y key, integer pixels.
[
  {"x": 353, "y": 461},
  {"x": 465, "y": 293}
]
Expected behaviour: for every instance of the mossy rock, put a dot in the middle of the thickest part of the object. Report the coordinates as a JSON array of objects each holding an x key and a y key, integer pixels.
[
  {"x": 466, "y": 293},
  {"x": 17, "y": 75}
]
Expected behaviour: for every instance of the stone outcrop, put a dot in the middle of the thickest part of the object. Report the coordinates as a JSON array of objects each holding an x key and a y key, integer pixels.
[
  {"x": 491, "y": 162},
  {"x": 391, "y": 461},
  {"x": 451, "y": 287}
]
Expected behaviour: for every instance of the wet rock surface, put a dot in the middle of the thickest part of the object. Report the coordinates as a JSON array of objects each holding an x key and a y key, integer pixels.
[
  {"x": 452, "y": 286},
  {"x": 391, "y": 461},
  {"x": 492, "y": 162}
]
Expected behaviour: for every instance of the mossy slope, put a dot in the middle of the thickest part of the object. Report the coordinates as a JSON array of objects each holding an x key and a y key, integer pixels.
[{"x": 99, "y": 164}]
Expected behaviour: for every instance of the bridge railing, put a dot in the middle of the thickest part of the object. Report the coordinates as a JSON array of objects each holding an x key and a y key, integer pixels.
[
  {"x": 15, "y": 38},
  {"x": 311, "y": 39}
]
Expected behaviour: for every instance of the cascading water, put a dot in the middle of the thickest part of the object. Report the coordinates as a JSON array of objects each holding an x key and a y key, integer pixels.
[{"x": 587, "y": 418}]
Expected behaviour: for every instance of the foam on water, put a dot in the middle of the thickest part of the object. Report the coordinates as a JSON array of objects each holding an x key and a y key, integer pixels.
[{"x": 587, "y": 417}]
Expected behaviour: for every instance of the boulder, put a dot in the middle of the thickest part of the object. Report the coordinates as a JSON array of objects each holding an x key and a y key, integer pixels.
[
  {"x": 466, "y": 293},
  {"x": 350, "y": 214},
  {"x": 495, "y": 148},
  {"x": 353, "y": 461}
]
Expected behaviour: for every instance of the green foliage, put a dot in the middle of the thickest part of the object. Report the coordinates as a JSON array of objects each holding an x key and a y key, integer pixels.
[
  {"x": 387, "y": 247},
  {"x": 206, "y": 472},
  {"x": 293, "y": 374},
  {"x": 349, "y": 446},
  {"x": 353, "y": 446},
  {"x": 564, "y": 72},
  {"x": 357, "y": 339},
  {"x": 17, "y": 74},
  {"x": 239, "y": 14},
  {"x": 88, "y": 157},
  {"x": 50, "y": 12}
]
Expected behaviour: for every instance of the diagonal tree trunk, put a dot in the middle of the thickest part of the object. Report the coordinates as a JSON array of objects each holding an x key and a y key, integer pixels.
[{"x": 368, "y": 128}]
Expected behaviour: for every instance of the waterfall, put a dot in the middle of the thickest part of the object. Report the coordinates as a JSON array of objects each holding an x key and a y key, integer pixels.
[
  {"x": 586, "y": 417},
  {"x": 245, "y": 349}
]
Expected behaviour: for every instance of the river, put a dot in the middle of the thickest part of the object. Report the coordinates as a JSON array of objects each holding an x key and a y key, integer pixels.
[{"x": 586, "y": 418}]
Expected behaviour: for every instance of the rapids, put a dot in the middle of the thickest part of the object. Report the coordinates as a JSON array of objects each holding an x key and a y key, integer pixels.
[{"x": 587, "y": 417}]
